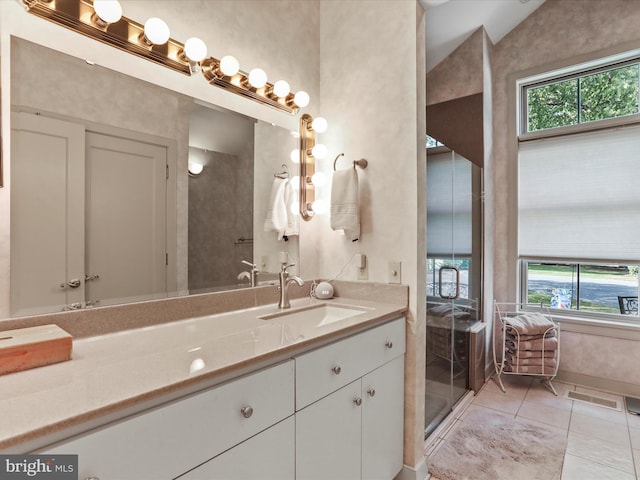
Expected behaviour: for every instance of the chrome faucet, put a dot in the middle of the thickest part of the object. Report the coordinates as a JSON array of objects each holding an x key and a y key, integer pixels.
[
  {"x": 285, "y": 280},
  {"x": 251, "y": 276}
]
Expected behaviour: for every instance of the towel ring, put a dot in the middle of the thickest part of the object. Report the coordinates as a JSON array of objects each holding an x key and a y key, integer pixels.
[
  {"x": 362, "y": 163},
  {"x": 284, "y": 174}
]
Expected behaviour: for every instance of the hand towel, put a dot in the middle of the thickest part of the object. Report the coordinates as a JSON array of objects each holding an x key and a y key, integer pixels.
[
  {"x": 532, "y": 369},
  {"x": 291, "y": 204},
  {"x": 526, "y": 354},
  {"x": 528, "y": 338},
  {"x": 540, "y": 345},
  {"x": 277, "y": 209},
  {"x": 517, "y": 361},
  {"x": 344, "y": 211}
]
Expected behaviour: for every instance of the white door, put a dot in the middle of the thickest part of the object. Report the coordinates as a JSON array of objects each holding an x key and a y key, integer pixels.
[
  {"x": 47, "y": 214},
  {"x": 328, "y": 437},
  {"x": 383, "y": 421},
  {"x": 126, "y": 219},
  {"x": 267, "y": 456}
]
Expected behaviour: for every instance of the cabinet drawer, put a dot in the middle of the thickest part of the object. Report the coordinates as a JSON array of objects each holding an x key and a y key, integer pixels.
[
  {"x": 329, "y": 368},
  {"x": 164, "y": 442}
]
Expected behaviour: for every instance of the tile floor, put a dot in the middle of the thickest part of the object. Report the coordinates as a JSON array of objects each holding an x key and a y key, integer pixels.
[{"x": 602, "y": 443}]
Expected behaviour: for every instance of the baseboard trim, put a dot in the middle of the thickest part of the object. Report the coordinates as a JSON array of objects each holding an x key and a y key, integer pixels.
[
  {"x": 599, "y": 383},
  {"x": 419, "y": 472}
]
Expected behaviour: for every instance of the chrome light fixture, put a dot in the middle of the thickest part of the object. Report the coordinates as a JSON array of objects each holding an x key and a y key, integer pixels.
[{"x": 102, "y": 20}]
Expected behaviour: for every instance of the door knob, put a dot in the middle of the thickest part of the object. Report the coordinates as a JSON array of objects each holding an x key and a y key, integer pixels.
[{"x": 75, "y": 283}]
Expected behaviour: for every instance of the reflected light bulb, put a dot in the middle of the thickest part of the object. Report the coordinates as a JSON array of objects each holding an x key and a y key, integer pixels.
[
  {"x": 195, "y": 168},
  {"x": 319, "y": 179},
  {"x": 109, "y": 11},
  {"x": 195, "y": 49},
  {"x": 229, "y": 65},
  {"x": 319, "y": 124},
  {"x": 281, "y": 88},
  {"x": 295, "y": 181},
  {"x": 295, "y": 155},
  {"x": 320, "y": 207},
  {"x": 319, "y": 151},
  {"x": 301, "y": 98},
  {"x": 156, "y": 31},
  {"x": 257, "y": 78}
]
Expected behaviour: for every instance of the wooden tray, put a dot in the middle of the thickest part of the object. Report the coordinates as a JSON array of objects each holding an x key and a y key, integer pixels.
[{"x": 32, "y": 347}]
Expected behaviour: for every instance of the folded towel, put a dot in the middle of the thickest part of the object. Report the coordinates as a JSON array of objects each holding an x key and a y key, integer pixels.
[
  {"x": 277, "y": 209},
  {"x": 291, "y": 204},
  {"x": 532, "y": 369},
  {"x": 517, "y": 361},
  {"x": 537, "y": 354},
  {"x": 540, "y": 345},
  {"x": 344, "y": 212},
  {"x": 527, "y": 338},
  {"x": 530, "y": 323}
]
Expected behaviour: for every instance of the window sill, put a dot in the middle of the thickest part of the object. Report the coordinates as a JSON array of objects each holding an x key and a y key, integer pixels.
[{"x": 603, "y": 328}]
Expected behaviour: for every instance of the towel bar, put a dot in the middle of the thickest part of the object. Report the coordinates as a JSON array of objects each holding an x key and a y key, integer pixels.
[{"x": 362, "y": 163}]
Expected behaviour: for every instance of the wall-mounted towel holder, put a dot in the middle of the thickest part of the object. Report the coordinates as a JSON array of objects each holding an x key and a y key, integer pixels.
[
  {"x": 284, "y": 174},
  {"x": 362, "y": 163}
]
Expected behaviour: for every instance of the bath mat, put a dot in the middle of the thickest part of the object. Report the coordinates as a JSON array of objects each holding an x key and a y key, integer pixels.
[{"x": 492, "y": 446}]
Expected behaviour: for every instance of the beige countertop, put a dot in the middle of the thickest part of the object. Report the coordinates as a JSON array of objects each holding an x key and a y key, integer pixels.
[{"x": 114, "y": 375}]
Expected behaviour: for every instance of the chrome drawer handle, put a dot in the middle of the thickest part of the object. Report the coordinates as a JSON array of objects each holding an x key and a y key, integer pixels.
[
  {"x": 336, "y": 369},
  {"x": 357, "y": 401},
  {"x": 389, "y": 344},
  {"x": 371, "y": 392},
  {"x": 246, "y": 412}
]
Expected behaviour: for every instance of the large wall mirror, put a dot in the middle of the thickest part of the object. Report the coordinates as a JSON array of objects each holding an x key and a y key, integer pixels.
[{"x": 103, "y": 208}]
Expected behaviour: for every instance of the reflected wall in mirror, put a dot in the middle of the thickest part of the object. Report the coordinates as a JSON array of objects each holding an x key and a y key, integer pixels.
[{"x": 102, "y": 208}]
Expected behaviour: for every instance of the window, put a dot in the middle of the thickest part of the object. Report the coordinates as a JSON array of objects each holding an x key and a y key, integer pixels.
[
  {"x": 587, "y": 287},
  {"x": 602, "y": 95},
  {"x": 578, "y": 200}
]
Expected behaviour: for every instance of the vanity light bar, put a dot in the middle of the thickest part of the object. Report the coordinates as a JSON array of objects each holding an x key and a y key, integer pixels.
[
  {"x": 128, "y": 35},
  {"x": 307, "y": 167}
]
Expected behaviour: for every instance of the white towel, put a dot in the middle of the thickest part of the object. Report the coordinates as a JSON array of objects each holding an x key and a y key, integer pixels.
[
  {"x": 277, "y": 209},
  {"x": 344, "y": 210},
  {"x": 291, "y": 203}
]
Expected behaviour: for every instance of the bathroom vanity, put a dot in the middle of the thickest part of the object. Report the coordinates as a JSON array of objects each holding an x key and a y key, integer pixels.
[{"x": 312, "y": 392}]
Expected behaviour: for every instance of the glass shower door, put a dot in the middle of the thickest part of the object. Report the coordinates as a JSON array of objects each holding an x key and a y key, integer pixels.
[{"x": 450, "y": 257}]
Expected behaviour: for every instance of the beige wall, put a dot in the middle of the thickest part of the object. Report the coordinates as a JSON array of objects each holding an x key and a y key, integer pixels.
[
  {"x": 559, "y": 33},
  {"x": 372, "y": 88}
]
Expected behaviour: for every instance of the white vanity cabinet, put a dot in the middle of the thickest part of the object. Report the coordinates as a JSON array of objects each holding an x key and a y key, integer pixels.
[
  {"x": 349, "y": 407},
  {"x": 170, "y": 440}
]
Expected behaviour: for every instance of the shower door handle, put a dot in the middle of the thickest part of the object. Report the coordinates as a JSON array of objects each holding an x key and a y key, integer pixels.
[{"x": 457, "y": 277}]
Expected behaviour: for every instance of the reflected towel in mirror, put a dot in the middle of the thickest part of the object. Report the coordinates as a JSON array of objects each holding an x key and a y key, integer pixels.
[
  {"x": 277, "y": 218},
  {"x": 344, "y": 210}
]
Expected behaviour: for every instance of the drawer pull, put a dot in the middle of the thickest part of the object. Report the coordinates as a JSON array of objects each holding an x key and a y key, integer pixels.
[
  {"x": 357, "y": 401},
  {"x": 336, "y": 370},
  {"x": 389, "y": 344},
  {"x": 246, "y": 412},
  {"x": 371, "y": 392}
]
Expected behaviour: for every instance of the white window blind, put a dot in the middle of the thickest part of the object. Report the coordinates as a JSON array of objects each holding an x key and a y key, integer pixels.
[
  {"x": 579, "y": 196},
  {"x": 449, "y": 204}
]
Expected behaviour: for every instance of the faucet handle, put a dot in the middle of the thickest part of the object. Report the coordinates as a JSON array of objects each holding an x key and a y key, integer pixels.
[{"x": 285, "y": 266}]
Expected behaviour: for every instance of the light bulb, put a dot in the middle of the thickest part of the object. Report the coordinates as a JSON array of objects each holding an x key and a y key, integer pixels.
[
  {"x": 319, "y": 179},
  {"x": 281, "y": 88},
  {"x": 319, "y": 124},
  {"x": 195, "y": 49},
  {"x": 295, "y": 156},
  {"x": 156, "y": 31},
  {"x": 195, "y": 168},
  {"x": 257, "y": 78},
  {"x": 319, "y": 151},
  {"x": 229, "y": 65},
  {"x": 295, "y": 181},
  {"x": 301, "y": 99},
  {"x": 320, "y": 207},
  {"x": 109, "y": 11}
]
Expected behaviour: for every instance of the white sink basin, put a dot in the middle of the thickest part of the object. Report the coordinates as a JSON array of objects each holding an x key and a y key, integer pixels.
[{"x": 315, "y": 315}]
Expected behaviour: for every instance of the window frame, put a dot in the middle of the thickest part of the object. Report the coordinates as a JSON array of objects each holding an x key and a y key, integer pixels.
[{"x": 569, "y": 73}]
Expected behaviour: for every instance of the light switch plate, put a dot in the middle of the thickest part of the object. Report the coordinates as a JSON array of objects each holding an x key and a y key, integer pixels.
[{"x": 395, "y": 272}]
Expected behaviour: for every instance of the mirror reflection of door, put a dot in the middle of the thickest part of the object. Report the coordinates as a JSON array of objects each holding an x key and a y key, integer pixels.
[{"x": 117, "y": 241}]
